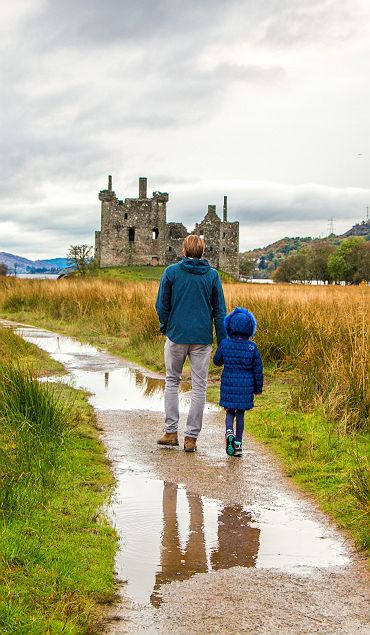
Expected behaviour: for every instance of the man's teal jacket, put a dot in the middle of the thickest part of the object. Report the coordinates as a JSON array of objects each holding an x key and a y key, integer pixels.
[{"x": 190, "y": 298}]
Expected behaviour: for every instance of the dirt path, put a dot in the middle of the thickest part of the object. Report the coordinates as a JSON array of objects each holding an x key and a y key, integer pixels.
[
  {"x": 297, "y": 597},
  {"x": 209, "y": 544}
]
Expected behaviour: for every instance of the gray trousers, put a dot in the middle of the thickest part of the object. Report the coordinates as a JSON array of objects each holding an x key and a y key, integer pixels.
[{"x": 174, "y": 357}]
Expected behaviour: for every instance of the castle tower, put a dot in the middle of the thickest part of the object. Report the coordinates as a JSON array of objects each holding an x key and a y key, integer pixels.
[
  {"x": 221, "y": 239},
  {"x": 133, "y": 230}
]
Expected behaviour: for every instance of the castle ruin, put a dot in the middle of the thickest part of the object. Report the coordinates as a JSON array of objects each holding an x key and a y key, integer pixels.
[{"x": 135, "y": 231}]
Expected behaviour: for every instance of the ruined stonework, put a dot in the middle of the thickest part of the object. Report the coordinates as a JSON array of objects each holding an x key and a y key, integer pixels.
[{"x": 134, "y": 231}]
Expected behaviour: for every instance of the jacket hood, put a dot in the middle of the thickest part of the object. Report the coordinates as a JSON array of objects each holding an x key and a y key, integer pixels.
[
  {"x": 199, "y": 266},
  {"x": 240, "y": 321}
]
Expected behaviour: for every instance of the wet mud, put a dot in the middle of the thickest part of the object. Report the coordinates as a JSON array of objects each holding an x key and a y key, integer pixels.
[{"x": 208, "y": 543}]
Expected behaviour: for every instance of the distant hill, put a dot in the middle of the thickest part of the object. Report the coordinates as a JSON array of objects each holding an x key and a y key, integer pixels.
[
  {"x": 268, "y": 258},
  {"x": 24, "y": 265},
  {"x": 360, "y": 229},
  {"x": 60, "y": 263}
]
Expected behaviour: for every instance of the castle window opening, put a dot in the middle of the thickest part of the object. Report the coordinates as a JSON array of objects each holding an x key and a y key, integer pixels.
[
  {"x": 211, "y": 248},
  {"x": 170, "y": 248},
  {"x": 223, "y": 249},
  {"x": 131, "y": 234},
  {"x": 126, "y": 215},
  {"x": 155, "y": 233},
  {"x": 201, "y": 236},
  {"x": 224, "y": 235}
]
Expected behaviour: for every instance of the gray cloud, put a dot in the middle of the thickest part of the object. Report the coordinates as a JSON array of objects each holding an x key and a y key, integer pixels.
[
  {"x": 193, "y": 90},
  {"x": 94, "y": 23},
  {"x": 51, "y": 131},
  {"x": 70, "y": 22},
  {"x": 266, "y": 203},
  {"x": 78, "y": 220},
  {"x": 300, "y": 22}
]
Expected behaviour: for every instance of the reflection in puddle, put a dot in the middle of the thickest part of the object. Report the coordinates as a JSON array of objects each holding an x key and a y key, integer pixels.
[
  {"x": 112, "y": 384},
  {"x": 169, "y": 534}
]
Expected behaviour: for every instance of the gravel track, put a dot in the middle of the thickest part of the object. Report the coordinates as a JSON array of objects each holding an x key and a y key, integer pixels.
[{"x": 236, "y": 600}]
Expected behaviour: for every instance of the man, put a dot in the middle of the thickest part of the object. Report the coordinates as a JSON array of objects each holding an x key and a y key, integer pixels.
[{"x": 190, "y": 299}]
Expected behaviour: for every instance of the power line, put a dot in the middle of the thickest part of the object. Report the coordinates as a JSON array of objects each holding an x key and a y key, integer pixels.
[{"x": 331, "y": 226}]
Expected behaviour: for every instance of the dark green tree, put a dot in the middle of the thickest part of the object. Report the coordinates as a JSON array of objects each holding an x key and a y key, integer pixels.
[
  {"x": 317, "y": 261},
  {"x": 363, "y": 270},
  {"x": 3, "y": 269},
  {"x": 292, "y": 269},
  {"x": 350, "y": 261}
]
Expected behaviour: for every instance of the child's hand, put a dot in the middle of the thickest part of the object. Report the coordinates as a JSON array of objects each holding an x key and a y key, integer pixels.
[{"x": 258, "y": 393}]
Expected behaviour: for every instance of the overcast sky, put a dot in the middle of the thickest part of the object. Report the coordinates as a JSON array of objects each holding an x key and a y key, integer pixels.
[{"x": 266, "y": 101}]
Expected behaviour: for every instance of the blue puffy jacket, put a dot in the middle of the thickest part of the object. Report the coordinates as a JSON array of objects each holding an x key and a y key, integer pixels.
[
  {"x": 190, "y": 298},
  {"x": 242, "y": 375}
]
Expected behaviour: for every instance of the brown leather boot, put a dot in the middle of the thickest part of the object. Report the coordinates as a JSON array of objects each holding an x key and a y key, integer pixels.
[
  {"x": 190, "y": 444},
  {"x": 169, "y": 438}
]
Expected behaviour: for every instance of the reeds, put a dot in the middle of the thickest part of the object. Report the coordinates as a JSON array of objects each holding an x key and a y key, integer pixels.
[
  {"x": 320, "y": 332},
  {"x": 33, "y": 422}
]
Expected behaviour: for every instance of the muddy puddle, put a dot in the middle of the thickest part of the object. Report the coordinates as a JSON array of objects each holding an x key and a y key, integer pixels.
[
  {"x": 167, "y": 533},
  {"x": 113, "y": 384}
]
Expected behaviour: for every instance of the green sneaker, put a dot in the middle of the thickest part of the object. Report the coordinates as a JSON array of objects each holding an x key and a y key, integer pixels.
[
  {"x": 238, "y": 448},
  {"x": 230, "y": 438}
]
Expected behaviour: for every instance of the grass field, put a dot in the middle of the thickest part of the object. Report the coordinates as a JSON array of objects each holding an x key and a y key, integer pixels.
[
  {"x": 314, "y": 342},
  {"x": 136, "y": 273},
  {"x": 56, "y": 549}
]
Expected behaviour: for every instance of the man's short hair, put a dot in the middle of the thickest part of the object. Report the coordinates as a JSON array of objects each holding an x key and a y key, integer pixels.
[{"x": 194, "y": 246}]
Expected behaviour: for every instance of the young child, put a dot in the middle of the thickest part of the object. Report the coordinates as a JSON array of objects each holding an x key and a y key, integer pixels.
[{"x": 242, "y": 375}]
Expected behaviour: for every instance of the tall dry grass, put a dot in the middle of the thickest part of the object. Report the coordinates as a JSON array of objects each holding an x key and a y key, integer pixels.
[{"x": 321, "y": 332}]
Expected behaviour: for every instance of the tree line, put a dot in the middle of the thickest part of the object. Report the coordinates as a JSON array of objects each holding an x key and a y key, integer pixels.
[{"x": 348, "y": 262}]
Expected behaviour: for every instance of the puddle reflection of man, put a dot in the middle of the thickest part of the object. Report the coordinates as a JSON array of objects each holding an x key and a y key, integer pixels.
[
  {"x": 238, "y": 541},
  {"x": 177, "y": 564}
]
